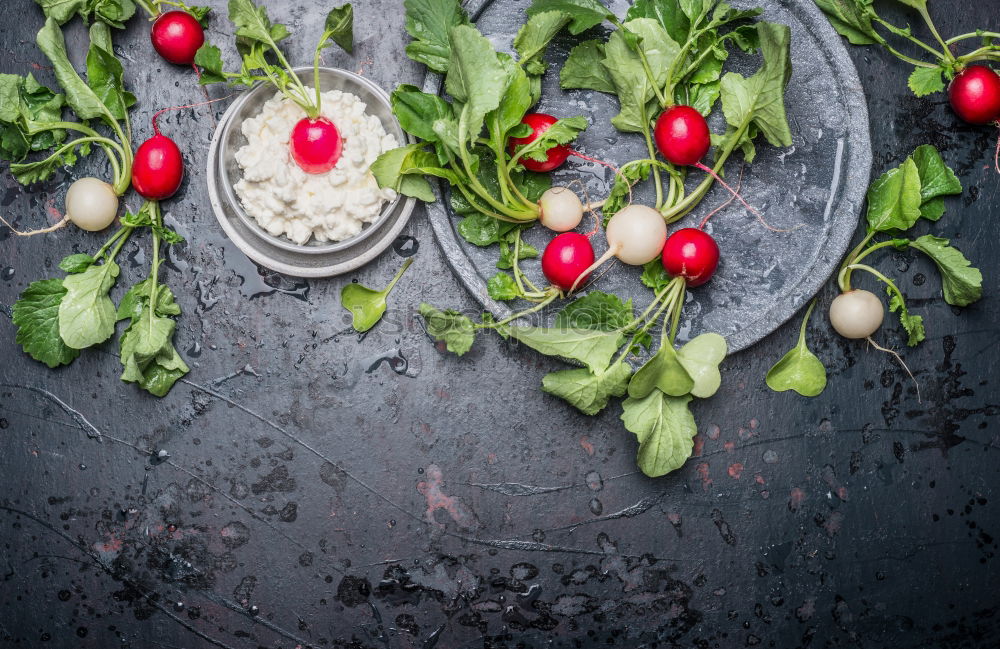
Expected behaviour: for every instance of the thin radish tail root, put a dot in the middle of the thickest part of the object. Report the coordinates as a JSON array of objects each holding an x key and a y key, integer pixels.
[
  {"x": 590, "y": 207},
  {"x": 898, "y": 358},
  {"x": 204, "y": 91},
  {"x": 732, "y": 197},
  {"x": 593, "y": 280},
  {"x": 156, "y": 115},
  {"x": 996, "y": 155},
  {"x": 610, "y": 166},
  {"x": 31, "y": 233},
  {"x": 586, "y": 273},
  {"x": 736, "y": 195}
]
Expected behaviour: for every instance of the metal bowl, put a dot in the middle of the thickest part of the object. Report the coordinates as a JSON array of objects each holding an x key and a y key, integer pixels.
[
  {"x": 250, "y": 105},
  {"x": 313, "y": 259}
]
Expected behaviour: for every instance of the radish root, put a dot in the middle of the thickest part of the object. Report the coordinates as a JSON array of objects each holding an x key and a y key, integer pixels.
[
  {"x": 204, "y": 91},
  {"x": 603, "y": 258},
  {"x": 737, "y": 196},
  {"x": 156, "y": 115},
  {"x": 590, "y": 207},
  {"x": 996, "y": 155},
  {"x": 898, "y": 358},
  {"x": 31, "y": 233},
  {"x": 598, "y": 205},
  {"x": 732, "y": 197}
]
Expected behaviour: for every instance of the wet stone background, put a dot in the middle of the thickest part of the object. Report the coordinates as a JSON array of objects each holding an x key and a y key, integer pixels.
[{"x": 305, "y": 486}]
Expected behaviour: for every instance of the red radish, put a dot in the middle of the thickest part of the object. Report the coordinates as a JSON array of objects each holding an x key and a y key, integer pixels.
[
  {"x": 566, "y": 259},
  {"x": 158, "y": 168},
  {"x": 176, "y": 36},
  {"x": 539, "y": 123},
  {"x": 975, "y": 95},
  {"x": 692, "y": 254},
  {"x": 316, "y": 145},
  {"x": 682, "y": 135},
  {"x": 683, "y": 138}
]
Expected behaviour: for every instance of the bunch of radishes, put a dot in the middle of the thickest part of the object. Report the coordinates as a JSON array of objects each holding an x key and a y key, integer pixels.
[{"x": 637, "y": 234}]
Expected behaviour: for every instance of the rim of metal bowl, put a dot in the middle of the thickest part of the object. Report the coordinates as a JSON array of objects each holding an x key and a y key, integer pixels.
[{"x": 312, "y": 246}]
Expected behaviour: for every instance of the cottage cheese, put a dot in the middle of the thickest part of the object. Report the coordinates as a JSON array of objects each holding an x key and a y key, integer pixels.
[{"x": 331, "y": 206}]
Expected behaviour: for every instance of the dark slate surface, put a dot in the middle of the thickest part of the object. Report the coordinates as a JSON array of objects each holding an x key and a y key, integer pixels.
[{"x": 324, "y": 491}]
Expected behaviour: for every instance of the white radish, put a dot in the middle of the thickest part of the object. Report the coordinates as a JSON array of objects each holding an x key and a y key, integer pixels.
[
  {"x": 856, "y": 314},
  {"x": 560, "y": 209},
  {"x": 91, "y": 205},
  {"x": 635, "y": 234}
]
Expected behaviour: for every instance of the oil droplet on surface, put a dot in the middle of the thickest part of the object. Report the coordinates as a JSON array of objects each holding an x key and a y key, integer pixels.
[
  {"x": 595, "y": 481},
  {"x": 596, "y": 508},
  {"x": 7, "y": 274},
  {"x": 770, "y": 457},
  {"x": 254, "y": 610}
]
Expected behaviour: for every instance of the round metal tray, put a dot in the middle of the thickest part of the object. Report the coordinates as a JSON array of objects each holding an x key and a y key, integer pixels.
[
  {"x": 819, "y": 183},
  {"x": 314, "y": 259}
]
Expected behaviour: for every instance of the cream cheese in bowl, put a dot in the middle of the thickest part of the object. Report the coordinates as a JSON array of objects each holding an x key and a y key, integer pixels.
[{"x": 285, "y": 200}]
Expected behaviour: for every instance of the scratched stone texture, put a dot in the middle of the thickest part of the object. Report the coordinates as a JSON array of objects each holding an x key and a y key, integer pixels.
[{"x": 307, "y": 487}]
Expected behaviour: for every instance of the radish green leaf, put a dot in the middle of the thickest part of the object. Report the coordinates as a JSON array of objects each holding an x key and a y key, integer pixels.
[
  {"x": 588, "y": 391},
  {"x": 663, "y": 372},
  {"x": 701, "y": 357},
  {"x": 799, "y": 370},
  {"x": 368, "y": 305},
  {"x": 894, "y": 199},
  {"x": 961, "y": 282},
  {"x": 36, "y": 316},
  {"x": 86, "y": 313},
  {"x": 665, "y": 429},
  {"x": 452, "y": 328}
]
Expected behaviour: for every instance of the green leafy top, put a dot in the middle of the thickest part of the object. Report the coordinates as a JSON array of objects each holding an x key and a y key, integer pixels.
[
  {"x": 257, "y": 39},
  {"x": 429, "y": 22},
  {"x": 110, "y": 12},
  {"x": 934, "y": 62},
  {"x": 487, "y": 92},
  {"x": 900, "y": 196}
]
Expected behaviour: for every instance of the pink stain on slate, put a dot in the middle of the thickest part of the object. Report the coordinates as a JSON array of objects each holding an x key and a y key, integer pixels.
[
  {"x": 702, "y": 470},
  {"x": 729, "y": 446},
  {"x": 735, "y": 470},
  {"x": 807, "y": 610},
  {"x": 587, "y": 446},
  {"x": 437, "y": 499},
  {"x": 833, "y": 524},
  {"x": 54, "y": 214},
  {"x": 795, "y": 498},
  {"x": 112, "y": 545},
  {"x": 699, "y": 445}
]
